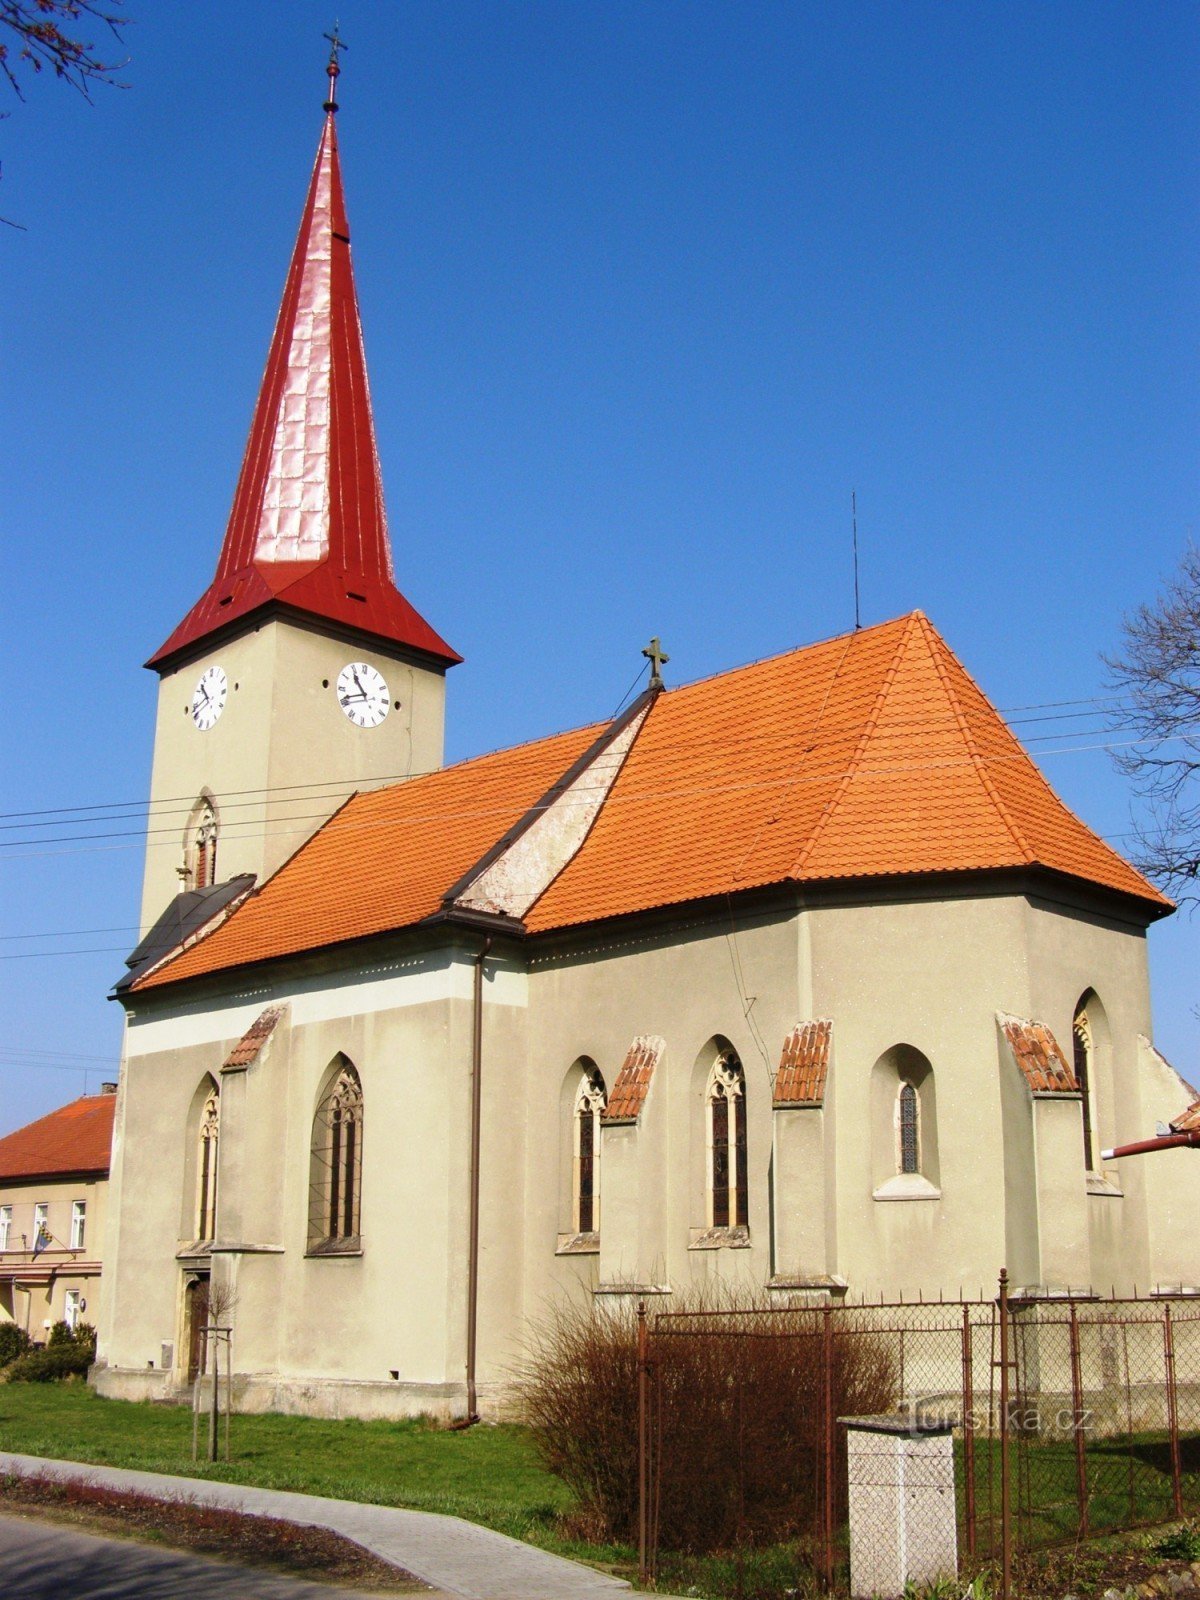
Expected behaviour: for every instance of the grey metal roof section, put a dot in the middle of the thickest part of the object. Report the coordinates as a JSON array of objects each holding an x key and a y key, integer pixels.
[{"x": 183, "y": 917}]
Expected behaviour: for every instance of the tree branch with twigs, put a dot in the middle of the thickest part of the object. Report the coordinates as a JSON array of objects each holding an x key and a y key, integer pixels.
[
  {"x": 46, "y": 39},
  {"x": 1157, "y": 675}
]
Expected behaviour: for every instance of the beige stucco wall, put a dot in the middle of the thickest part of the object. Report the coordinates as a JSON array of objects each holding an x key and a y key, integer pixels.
[
  {"x": 929, "y": 973},
  {"x": 31, "y": 1295},
  {"x": 281, "y": 725}
]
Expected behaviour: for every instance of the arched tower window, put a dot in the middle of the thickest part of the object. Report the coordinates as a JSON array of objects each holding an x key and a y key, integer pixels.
[
  {"x": 206, "y": 1165},
  {"x": 728, "y": 1188},
  {"x": 1083, "y": 1040},
  {"x": 590, "y": 1100},
  {"x": 199, "y": 870},
  {"x": 335, "y": 1183}
]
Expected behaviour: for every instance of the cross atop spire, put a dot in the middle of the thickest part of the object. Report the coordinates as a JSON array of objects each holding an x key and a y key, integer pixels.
[
  {"x": 658, "y": 659},
  {"x": 308, "y": 529},
  {"x": 336, "y": 43}
]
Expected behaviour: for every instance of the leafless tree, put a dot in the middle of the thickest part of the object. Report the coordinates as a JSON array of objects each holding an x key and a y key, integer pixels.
[
  {"x": 46, "y": 38},
  {"x": 1157, "y": 674}
]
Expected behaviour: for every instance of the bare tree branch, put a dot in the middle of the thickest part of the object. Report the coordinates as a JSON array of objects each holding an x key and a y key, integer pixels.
[
  {"x": 41, "y": 28},
  {"x": 1157, "y": 675}
]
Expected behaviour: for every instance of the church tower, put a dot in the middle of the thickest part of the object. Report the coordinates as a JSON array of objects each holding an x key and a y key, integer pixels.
[{"x": 302, "y": 673}]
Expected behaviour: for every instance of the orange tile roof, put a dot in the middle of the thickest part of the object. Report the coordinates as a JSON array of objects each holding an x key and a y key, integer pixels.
[
  {"x": 869, "y": 755},
  {"x": 804, "y": 1064},
  {"x": 1039, "y": 1056},
  {"x": 76, "y": 1138},
  {"x": 629, "y": 1092},
  {"x": 1187, "y": 1120},
  {"x": 246, "y": 1051}
]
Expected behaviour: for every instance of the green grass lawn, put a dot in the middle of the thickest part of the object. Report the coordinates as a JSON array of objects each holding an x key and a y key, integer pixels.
[{"x": 489, "y": 1475}]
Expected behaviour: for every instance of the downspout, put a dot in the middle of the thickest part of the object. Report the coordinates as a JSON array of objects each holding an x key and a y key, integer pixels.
[
  {"x": 473, "y": 1213},
  {"x": 1165, "y": 1141}
]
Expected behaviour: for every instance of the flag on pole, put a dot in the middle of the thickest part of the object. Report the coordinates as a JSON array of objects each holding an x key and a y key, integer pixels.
[{"x": 42, "y": 1240}]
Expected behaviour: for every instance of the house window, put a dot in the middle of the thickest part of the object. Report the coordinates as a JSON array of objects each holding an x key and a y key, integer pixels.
[
  {"x": 71, "y": 1308},
  {"x": 589, "y": 1103},
  {"x": 908, "y": 1129},
  {"x": 206, "y": 1166},
  {"x": 1081, "y": 1035},
  {"x": 727, "y": 1186},
  {"x": 41, "y": 1224},
  {"x": 5, "y": 1226},
  {"x": 335, "y": 1182},
  {"x": 78, "y": 1223}
]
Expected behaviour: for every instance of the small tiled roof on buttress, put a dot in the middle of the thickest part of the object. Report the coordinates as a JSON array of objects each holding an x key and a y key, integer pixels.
[
  {"x": 73, "y": 1140},
  {"x": 868, "y": 757},
  {"x": 308, "y": 530}
]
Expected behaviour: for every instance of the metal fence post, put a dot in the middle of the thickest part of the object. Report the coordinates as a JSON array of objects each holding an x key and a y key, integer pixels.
[
  {"x": 968, "y": 1426},
  {"x": 1081, "y": 1486},
  {"x": 642, "y": 1375},
  {"x": 1172, "y": 1411},
  {"x": 1005, "y": 1486}
]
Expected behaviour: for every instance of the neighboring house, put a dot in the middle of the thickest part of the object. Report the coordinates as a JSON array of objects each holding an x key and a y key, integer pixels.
[
  {"x": 53, "y": 1187},
  {"x": 799, "y": 980}
]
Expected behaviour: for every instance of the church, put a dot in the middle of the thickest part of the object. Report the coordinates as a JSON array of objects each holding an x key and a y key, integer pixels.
[{"x": 799, "y": 981}]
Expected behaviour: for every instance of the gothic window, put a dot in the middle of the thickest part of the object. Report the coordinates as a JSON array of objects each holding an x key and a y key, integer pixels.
[
  {"x": 590, "y": 1101},
  {"x": 1084, "y": 1051},
  {"x": 908, "y": 1123},
  {"x": 199, "y": 870},
  {"x": 206, "y": 1165},
  {"x": 335, "y": 1184},
  {"x": 728, "y": 1189}
]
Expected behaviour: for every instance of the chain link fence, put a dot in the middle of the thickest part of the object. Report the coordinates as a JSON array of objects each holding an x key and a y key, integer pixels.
[{"x": 858, "y": 1447}]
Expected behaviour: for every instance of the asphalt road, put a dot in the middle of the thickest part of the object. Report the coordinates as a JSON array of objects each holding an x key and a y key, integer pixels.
[{"x": 45, "y": 1561}]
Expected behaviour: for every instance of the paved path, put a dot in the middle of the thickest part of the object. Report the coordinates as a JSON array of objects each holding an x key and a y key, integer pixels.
[
  {"x": 445, "y": 1552},
  {"x": 45, "y": 1561}
]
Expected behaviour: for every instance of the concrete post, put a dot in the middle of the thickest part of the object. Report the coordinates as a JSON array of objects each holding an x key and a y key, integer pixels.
[{"x": 902, "y": 1509}]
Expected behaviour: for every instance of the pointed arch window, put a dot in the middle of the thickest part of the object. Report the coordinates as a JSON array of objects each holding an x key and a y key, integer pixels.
[
  {"x": 335, "y": 1186},
  {"x": 728, "y": 1188},
  {"x": 590, "y": 1101},
  {"x": 1082, "y": 1041},
  {"x": 206, "y": 1165},
  {"x": 199, "y": 869},
  {"x": 908, "y": 1129}
]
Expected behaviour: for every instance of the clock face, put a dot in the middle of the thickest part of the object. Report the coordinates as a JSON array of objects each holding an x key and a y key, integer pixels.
[
  {"x": 208, "y": 700},
  {"x": 362, "y": 694}
]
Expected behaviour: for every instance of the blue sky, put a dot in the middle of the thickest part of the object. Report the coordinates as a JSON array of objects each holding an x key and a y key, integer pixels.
[{"x": 648, "y": 289}]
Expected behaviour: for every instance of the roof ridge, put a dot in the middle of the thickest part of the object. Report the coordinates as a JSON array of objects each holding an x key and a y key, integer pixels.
[
  {"x": 793, "y": 650},
  {"x": 932, "y": 639},
  {"x": 864, "y": 737}
]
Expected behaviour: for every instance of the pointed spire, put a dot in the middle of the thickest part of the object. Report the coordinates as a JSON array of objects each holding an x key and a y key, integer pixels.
[{"x": 308, "y": 529}]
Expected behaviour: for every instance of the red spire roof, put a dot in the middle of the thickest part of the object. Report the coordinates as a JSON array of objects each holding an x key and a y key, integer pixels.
[{"x": 308, "y": 528}]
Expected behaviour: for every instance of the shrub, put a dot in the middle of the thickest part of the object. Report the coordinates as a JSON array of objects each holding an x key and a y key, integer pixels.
[
  {"x": 737, "y": 1400},
  {"x": 1181, "y": 1544},
  {"x": 14, "y": 1342},
  {"x": 66, "y": 1359}
]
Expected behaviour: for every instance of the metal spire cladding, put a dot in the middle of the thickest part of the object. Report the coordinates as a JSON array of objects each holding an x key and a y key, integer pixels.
[{"x": 308, "y": 530}]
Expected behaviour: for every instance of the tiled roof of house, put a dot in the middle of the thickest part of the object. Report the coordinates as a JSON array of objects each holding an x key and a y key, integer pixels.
[
  {"x": 628, "y": 1094},
  {"x": 1187, "y": 1120},
  {"x": 804, "y": 1064},
  {"x": 1039, "y": 1056},
  {"x": 872, "y": 755},
  {"x": 76, "y": 1138}
]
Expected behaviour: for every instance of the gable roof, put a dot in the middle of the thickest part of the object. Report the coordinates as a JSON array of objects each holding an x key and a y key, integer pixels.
[
  {"x": 632, "y": 1085},
  {"x": 77, "y": 1138},
  {"x": 869, "y": 756}
]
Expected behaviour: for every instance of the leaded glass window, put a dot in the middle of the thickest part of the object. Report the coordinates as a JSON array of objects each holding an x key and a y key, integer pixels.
[
  {"x": 335, "y": 1186},
  {"x": 728, "y": 1186}
]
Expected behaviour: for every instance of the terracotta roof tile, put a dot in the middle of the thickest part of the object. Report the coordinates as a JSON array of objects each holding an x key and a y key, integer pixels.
[
  {"x": 75, "y": 1138},
  {"x": 804, "y": 1064},
  {"x": 629, "y": 1092},
  {"x": 1037, "y": 1053},
  {"x": 869, "y": 755},
  {"x": 246, "y": 1051},
  {"x": 1189, "y": 1119}
]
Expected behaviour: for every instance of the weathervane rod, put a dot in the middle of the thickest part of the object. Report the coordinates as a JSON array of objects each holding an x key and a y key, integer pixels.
[
  {"x": 854, "y": 527},
  {"x": 333, "y": 70}
]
